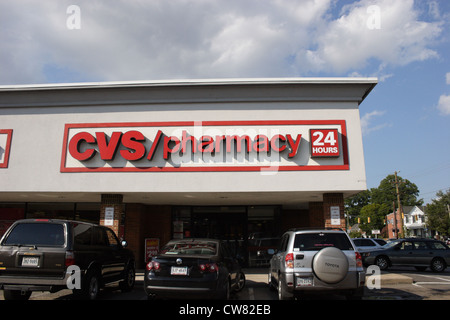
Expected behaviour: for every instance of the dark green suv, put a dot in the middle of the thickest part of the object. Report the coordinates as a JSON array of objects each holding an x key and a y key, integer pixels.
[{"x": 50, "y": 255}]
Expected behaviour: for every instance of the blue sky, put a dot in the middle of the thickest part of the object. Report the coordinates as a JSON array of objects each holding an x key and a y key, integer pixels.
[{"x": 405, "y": 43}]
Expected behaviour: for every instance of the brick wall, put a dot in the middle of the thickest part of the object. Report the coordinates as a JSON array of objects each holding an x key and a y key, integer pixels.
[
  {"x": 142, "y": 221},
  {"x": 114, "y": 201}
]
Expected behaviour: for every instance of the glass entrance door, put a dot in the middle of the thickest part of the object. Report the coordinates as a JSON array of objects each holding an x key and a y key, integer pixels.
[{"x": 225, "y": 223}]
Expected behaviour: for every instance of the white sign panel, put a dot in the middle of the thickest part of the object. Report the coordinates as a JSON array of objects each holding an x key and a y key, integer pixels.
[
  {"x": 109, "y": 216},
  {"x": 335, "y": 215}
]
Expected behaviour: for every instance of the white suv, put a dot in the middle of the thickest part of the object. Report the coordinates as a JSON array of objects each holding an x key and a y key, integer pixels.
[{"x": 314, "y": 261}]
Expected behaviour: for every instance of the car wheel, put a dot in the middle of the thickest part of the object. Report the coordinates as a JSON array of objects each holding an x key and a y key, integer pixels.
[
  {"x": 437, "y": 265},
  {"x": 240, "y": 282},
  {"x": 270, "y": 281},
  {"x": 128, "y": 282},
  {"x": 226, "y": 290},
  {"x": 382, "y": 262},
  {"x": 89, "y": 287},
  {"x": 283, "y": 294}
]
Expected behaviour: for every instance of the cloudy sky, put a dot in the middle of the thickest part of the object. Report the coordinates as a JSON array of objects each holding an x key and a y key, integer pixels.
[{"x": 405, "y": 43}]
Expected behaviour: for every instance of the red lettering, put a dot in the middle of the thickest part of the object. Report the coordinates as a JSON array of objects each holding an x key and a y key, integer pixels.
[
  {"x": 133, "y": 141},
  {"x": 293, "y": 144},
  {"x": 219, "y": 141},
  {"x": 261, "y": 143},
  {"x": 133, "y": 146},
  {"x": 186, "y": 139},
  {"x": 238, "y": 142},
  {"x": 273, "y": 143},
  {"x": 206, "y": 144},
  {"x": 151, "y": 153},
  {"x": 74, "y": 146},
  {"x": 108, "y": 149},
  {"x": 167, "y": 149}
]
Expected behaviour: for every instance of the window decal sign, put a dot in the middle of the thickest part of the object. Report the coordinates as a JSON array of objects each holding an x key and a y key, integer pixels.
[
  {"x": 191, "y": 146},
  {"x": 5, "y": 146}
]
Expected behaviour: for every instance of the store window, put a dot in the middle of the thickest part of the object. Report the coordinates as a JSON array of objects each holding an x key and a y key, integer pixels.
[
  {"x": 88, "y": 212},
  {"x": 10, "y": 212},
  {"x": 45, "y": 210}
]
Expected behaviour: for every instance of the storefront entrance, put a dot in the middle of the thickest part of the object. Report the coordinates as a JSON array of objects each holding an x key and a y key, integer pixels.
[{"x": 244, "y": 227}]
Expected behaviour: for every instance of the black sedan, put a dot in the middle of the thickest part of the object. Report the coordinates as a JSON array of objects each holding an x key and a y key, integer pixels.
[
  {"x": 193, "y": 268},
  {"x": 419, "y": 253}
]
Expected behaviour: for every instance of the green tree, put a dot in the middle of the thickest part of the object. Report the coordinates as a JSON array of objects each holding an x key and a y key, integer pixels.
[
  {"x": 438, "y": 218},
  {"x": 354, "y": 204},
  {"x": 372, "y": 217},
  {"x": 386, "y": 192}
]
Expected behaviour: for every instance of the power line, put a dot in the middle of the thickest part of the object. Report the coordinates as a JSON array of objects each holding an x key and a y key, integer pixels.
[{"x": 442, "y": 189}]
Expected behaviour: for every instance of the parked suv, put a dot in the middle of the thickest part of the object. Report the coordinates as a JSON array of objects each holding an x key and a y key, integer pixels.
[
  {"x": 313, "y": 261},
  {"x": 35, "y": 255}
]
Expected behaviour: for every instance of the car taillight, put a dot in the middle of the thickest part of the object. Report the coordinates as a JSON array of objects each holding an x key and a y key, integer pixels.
[
  {"x": 289, "y": 260},
  {"x": 153, "y": 265},
  {"x": 208, "y": 267},
  {"x": 358, "y": 259},
  {"x": 69, "y": 259}
]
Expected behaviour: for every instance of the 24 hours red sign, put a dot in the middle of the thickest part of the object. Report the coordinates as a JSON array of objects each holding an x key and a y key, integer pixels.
[{"x": 324, "y": 143}]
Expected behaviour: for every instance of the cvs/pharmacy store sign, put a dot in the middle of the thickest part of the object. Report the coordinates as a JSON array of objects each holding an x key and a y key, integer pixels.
[{"x": 279, "y": 145}]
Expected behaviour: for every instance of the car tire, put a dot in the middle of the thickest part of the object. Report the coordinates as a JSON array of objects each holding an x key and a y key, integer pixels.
[
  {"x": 330, "y": 265},
  {"x": 283, "y": 293},
  {"x": 270, "y": 282},
  {"x": 382, "y": 262},
  {"x": 438, "y": 265},
  {"x": 240, "y": 284},
  {"x": 225, "y": 295},
  {"x": 128, "y": 282},
  {"x": 90, "y": 286}
]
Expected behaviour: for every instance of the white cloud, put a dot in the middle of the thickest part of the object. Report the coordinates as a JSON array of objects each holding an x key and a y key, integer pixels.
[
  {"x": 448, "y": 77},
  {"x": 367, "y": 120},
  {"x": 349, "y": 43},
  {"x": 160, "y": 39},
  {"x": 444, "y": 104}
]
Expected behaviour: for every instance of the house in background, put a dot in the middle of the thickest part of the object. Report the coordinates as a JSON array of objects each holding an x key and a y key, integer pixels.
[{"x": 414, "y": 221}]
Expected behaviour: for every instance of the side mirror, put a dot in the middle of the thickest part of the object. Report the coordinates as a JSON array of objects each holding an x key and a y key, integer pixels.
[{"x": 124, "y": 243}]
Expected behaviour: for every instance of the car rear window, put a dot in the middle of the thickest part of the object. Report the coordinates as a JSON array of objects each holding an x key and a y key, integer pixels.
[
  {"x": 190, "y": 247},
  {"x": 36, "y": 234},
  {"x": 317, "y": 241}
]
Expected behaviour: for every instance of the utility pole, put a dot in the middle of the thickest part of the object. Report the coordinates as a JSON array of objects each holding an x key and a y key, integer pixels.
[
  {"x": 395, "y": 220},
  {"x": 400, "y": 209}
]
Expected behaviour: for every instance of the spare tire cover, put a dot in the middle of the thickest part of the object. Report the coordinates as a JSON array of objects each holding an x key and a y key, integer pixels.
[{"x": 330, "y": 265}]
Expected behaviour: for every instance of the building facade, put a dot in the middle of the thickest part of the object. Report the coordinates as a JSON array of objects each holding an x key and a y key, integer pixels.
[
  {"x": 415, "y": 222},
  {"x": 233, "y": 159}
]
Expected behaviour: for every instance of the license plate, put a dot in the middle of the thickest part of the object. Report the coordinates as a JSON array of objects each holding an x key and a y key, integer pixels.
[
  {"x": 304, "y": 282},
  {"x": 30, "y": 261},
  {"x": 179, "y": 271}
]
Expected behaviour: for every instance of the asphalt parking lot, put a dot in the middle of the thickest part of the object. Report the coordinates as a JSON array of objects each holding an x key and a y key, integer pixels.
[{"x": 394, "y": 284}]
